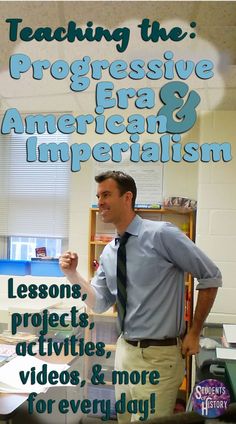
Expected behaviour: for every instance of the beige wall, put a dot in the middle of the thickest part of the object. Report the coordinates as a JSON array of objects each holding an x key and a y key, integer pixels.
[
  {"x": 216, "y": 216},
  {"x": 81, "y": 189},
  {"x": 181, "y": 179}
]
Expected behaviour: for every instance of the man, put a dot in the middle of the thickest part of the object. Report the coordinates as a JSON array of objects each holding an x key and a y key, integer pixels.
[{"x": 150, "y": 261}]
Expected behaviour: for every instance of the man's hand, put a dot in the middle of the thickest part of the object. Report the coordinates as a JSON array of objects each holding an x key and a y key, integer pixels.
[
  {"x": 205, "y": 301},
  {"x": 68, "y": 262},
  {"x": 190, "y": 345}
]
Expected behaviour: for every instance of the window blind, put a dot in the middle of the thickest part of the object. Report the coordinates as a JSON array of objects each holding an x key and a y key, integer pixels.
[{"x": 34, "y": 197}]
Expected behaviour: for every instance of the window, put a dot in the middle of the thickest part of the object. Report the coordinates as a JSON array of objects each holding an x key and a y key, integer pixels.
[
  {"x": 23, "y": 248},
  {"x": 34, "y": 199}
]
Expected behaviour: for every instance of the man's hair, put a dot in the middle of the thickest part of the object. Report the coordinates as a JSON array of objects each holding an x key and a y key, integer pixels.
[{"x": 124, "y": 181}]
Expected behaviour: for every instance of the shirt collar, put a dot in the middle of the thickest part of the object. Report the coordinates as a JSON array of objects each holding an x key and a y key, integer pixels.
[{"x": 133, "y": 228}]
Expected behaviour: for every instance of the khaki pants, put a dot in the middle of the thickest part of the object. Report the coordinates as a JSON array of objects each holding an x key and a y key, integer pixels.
[{"x": 167, "y": 360}]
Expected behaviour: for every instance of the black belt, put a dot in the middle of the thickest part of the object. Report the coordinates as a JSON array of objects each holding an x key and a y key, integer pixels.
[{"x": 149, "y": 342}]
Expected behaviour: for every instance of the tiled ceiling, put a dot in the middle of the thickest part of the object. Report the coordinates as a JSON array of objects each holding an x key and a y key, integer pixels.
[{"x": 216, "y": 35}]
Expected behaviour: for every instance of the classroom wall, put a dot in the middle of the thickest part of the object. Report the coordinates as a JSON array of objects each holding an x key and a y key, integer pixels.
[
  {"x": 181, "y": 179},
  {"x": 81, "y": 189},
  {"x": 216, "y": 215}
]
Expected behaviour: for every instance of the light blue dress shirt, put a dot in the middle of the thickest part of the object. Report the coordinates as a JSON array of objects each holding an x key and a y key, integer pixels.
[{"x": 158, "y": 255}]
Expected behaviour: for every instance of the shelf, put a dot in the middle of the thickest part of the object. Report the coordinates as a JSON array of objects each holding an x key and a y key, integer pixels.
[
  {"x": 99, "y": 243},
  {"x": 108, "y": 383},
  {"x": 112, "y": 348},
  {"x": 108, "y": 313},
  {"x": 173, "y": 210}
]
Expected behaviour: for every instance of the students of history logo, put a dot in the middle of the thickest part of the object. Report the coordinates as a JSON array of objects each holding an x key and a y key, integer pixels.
[{"x": 210, "y": 398}]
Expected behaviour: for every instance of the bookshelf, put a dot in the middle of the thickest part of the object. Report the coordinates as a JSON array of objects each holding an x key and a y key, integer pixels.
[{"x": 99, "y": 235}]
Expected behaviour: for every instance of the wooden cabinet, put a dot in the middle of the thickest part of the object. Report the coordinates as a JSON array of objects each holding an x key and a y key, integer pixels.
[{"x": 100, "y": 234}]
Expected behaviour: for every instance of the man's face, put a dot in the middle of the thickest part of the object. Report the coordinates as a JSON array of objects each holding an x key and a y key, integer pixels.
[{"x": 112, "y": 205}]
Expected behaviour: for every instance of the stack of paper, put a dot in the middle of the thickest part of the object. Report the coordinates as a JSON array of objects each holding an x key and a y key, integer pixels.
[
  {"x": 8, "y": 337},
  {"x": 229, "y": 335},
  {"x": 228, "y": 341},
  {"x": 6, "y": 352},
  {"x": 225, "y": 353},
  {"x": 12, "y": 369}
]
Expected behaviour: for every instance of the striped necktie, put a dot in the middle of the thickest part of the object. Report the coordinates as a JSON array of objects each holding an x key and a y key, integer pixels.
[{"x": 122, "y": 280}]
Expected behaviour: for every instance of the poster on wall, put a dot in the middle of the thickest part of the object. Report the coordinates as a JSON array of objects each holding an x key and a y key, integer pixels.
[
  {"x": 148, "y": 178},
  {"x": 88, "y": 87}
]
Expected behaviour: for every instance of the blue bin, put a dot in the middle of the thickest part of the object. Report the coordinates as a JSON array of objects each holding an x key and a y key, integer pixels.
[
  {"x": 46, "y": 268},
  {"x": 9, "y": 267}
]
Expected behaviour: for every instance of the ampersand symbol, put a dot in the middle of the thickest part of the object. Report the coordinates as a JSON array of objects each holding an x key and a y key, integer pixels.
[
  {"x": 171, "y": 94},
  {"x": 97, "y": 378}
]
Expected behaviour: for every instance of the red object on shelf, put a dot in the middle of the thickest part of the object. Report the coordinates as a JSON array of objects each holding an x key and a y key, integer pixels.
[
  {"x": 95, "y": 264},
  {"x": 103, "y": 237}
]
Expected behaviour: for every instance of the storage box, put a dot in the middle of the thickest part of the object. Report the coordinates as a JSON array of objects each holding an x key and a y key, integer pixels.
[
  {"x": 8, "y": 267},
  {"x": 46, "y": 268}
]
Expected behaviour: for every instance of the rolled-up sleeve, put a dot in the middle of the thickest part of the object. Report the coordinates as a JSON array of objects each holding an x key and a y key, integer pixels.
[
  {"x": 181, "y": 251},
  {"x": 104, "y": 298}
]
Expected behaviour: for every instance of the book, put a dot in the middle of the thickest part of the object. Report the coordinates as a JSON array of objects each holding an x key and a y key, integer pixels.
[{"x": 40, "y": 252}]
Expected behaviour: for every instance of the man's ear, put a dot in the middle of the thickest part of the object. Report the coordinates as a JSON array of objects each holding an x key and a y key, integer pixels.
[{"x": 129, "y": 197}]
